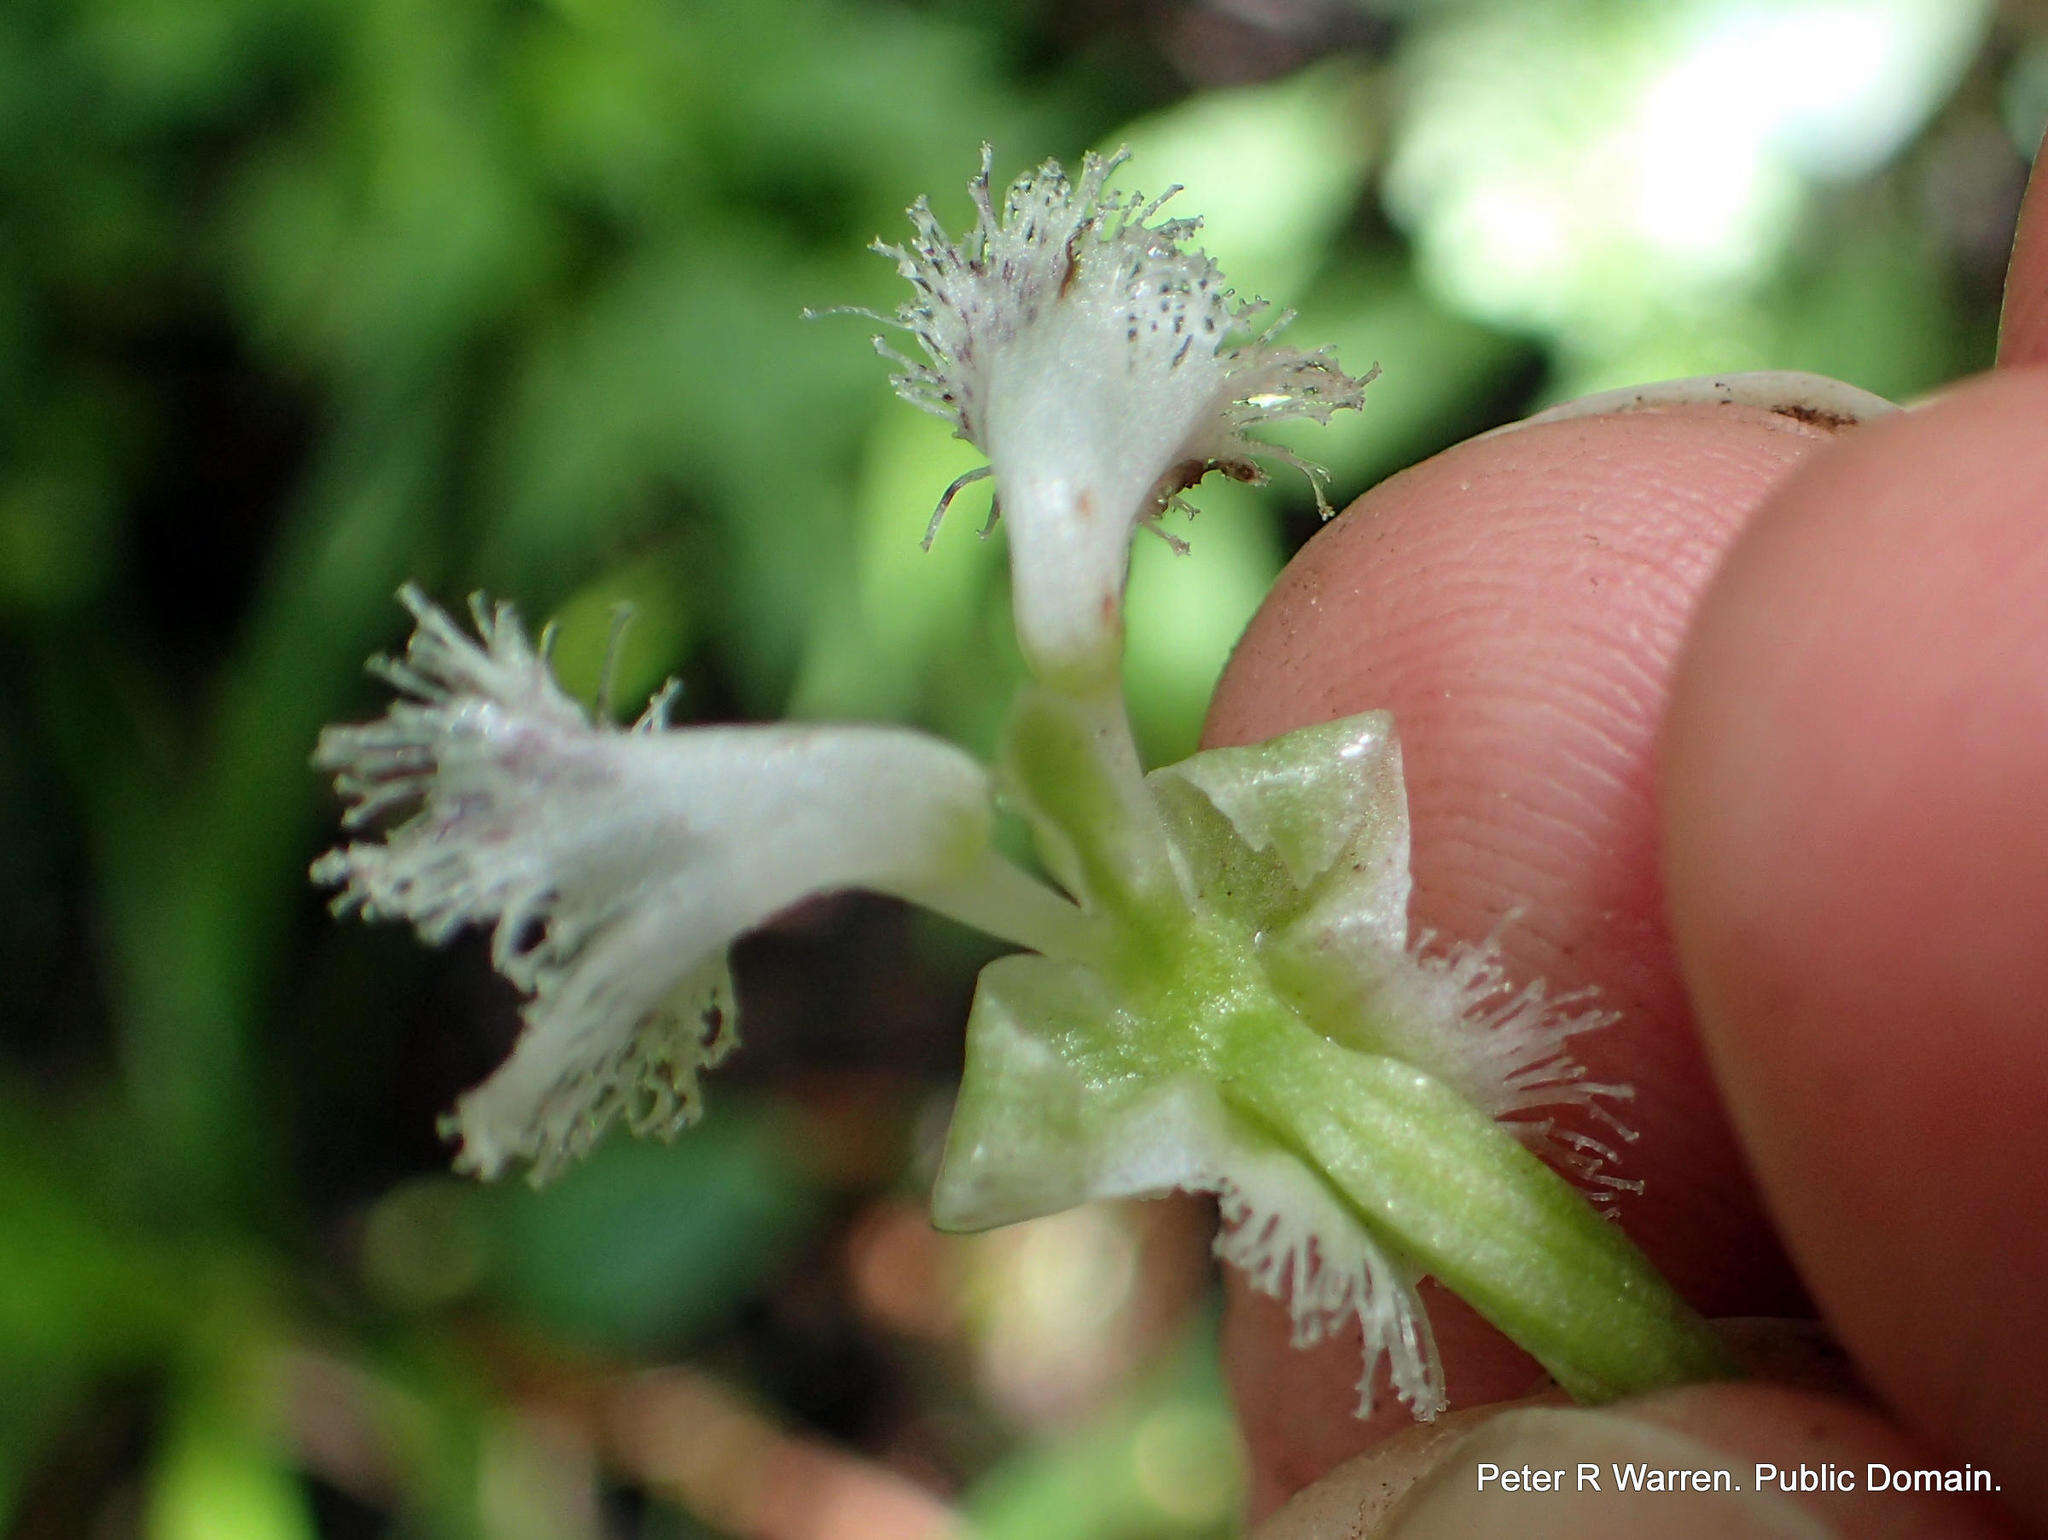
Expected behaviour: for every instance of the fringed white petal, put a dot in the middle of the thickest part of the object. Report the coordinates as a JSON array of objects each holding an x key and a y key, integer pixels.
[
  {"x": 1294, "y": 1241},
  {"x": 1104, "y": 366},
  {"x": 1505, "y": 1048},
  {"x": 615, "y": 866}
]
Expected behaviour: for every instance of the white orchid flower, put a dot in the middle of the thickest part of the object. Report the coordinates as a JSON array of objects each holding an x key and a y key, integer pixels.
[
  {"x": 1104, "y": 366},
  {"x": 616, "y": 866}
]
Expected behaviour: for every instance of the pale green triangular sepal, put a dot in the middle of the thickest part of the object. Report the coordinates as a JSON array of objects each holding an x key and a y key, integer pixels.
[
  {"x": 1313, "y": 828},
  {"x": 1303, "y": 839},
  {"x": 1057, "y": 1108},
  {"x": 1047, "y": 1116}
]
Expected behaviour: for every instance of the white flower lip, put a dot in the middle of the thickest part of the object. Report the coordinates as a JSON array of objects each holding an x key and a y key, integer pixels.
[
  {"x": 1104, "y": 366},
  {"x": 615, "y": 867}
]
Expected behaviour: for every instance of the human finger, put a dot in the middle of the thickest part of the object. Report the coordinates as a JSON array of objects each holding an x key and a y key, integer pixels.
[
  {"x": 1858, "y": 866},
  {"x": 1517, "y": 602},
  {"x": 2023, "y": 329},
  {"x": 1727, "y": 1461}
]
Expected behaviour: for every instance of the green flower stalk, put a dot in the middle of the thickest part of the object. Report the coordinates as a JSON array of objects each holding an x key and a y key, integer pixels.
[{"x": 1220, "y": 995}]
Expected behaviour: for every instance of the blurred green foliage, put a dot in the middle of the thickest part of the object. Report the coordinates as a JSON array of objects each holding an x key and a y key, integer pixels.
[{"x": 299, "y": 298}]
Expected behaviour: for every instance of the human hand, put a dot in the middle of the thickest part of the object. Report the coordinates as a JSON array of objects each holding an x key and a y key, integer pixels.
[{"x": 1748, "y": 717}]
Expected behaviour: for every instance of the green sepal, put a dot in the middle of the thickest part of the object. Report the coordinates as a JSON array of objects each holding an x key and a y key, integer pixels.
[
  {"x": 1326, "y": 805},
  {"x": 1068, "y": 1097},
  {"x": 1057, "y": 1105},
  {"x": 1302, "y": 842}
]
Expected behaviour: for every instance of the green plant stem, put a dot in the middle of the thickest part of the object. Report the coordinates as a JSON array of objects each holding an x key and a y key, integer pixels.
[
  {"x": 1074, "y": 766},
  {"x": 1430, "y": 1176},
  {"x": 1461, "y": 1197}
]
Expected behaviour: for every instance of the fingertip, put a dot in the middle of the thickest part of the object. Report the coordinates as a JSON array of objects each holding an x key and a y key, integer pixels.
[
  {"x": 1297, "y": 1407},
  {"x": 1749, "y": 1460},
  {"x": 1792, "y": 1449},
  {"x": 1516, "y": 602},
  {"x": 1856, "y": 848},
  {"x": 2023, "y": 327}
]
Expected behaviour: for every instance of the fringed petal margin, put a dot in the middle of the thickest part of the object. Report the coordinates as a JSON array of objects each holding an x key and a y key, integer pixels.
[{"x": 614, "y": 867}]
